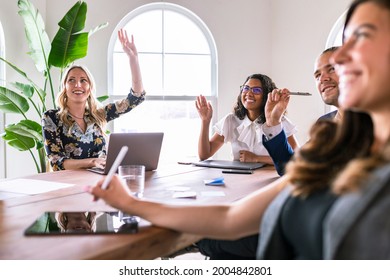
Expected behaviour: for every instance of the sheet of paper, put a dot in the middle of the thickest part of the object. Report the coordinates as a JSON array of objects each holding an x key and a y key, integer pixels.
[
  {"x": 184, "y": 195},
  {"x": 30, "y": 186}
]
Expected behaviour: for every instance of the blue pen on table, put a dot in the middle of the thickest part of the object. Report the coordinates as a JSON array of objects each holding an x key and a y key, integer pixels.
[{"x": 114, "y": 167}]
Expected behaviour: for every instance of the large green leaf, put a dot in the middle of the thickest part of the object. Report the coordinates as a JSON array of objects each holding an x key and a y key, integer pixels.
[
  {"x": 32, "y": 129},
  {"x": 24, "y": 136},
  {"x": 69, "y": 44},
  {"x": 37, "y": 38},
  {"x": 15, "y": 68},
  {"x": 32, "y": 125},
  {"x": 75, "y": 17},
  {"x": 65, "y": 52},
  {"x": 19, "y": 142},
  {"x": 97, "y": 28},
  {"x": 11, "y": 102},
  {"x": 26, "y": 131},
  {"x": 42, "y": 94},
  {"x": 26, "y": 89}
]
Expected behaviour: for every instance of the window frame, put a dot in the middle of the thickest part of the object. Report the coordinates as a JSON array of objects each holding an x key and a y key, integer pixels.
[
  {"x": 190, "y": 15},
  {"x": 335, "y": 32},
  {"x": 209, "y": 40}
]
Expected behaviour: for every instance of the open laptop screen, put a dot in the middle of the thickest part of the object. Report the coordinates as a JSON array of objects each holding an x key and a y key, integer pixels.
[{"x": 144, "y": 149}]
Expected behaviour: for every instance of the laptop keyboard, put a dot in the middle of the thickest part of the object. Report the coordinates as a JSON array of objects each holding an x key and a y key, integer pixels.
[{"x": 96, "y": 170}]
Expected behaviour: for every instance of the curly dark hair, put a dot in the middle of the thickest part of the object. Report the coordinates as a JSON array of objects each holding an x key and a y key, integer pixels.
[{"x": 267, "y": 85}]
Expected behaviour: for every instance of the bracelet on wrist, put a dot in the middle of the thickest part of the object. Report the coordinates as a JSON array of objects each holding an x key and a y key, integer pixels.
[{"x": 138, "y": 94}]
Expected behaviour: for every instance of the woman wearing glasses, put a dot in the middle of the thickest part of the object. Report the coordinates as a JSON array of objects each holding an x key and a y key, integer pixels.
[{"x": 243, "y": 127}]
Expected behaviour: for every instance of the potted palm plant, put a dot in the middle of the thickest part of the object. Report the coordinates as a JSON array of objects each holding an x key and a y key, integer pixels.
[{"x": 69, "y": 44}]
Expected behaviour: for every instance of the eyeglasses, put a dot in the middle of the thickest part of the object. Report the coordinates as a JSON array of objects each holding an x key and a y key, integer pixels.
[{"x": 255, "y": 90}]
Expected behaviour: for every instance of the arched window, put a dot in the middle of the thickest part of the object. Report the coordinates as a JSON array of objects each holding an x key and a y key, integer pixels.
[
  {"x": 335, "y": 37},
  {"x": 2, "y": 121},
  {"x": 178, "y": 60}
]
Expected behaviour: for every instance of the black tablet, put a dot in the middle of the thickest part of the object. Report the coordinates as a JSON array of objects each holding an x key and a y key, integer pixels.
[
  {"x": 229, "y": 164},
  {"x": 81, "y": 223}
]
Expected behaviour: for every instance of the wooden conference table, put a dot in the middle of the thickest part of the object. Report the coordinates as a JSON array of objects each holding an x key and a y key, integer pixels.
[{"x": 17, "y": 212}]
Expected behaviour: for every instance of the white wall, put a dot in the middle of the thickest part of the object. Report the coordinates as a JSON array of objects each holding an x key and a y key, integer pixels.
[
  {"x": 280, "y": 38},
  {"x": 300, "y": 29}
]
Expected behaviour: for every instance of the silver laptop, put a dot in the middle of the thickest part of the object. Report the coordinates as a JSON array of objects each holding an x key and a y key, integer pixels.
[
  {"x": 230, "y": 164},
  {"x": 144, "y": 149}
]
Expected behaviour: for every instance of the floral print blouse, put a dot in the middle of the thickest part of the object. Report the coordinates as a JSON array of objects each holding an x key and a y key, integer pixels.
[{"x": 63, "y": 142}]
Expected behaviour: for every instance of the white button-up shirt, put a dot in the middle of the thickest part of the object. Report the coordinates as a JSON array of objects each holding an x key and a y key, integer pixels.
[{"x": 247, "y": 135}]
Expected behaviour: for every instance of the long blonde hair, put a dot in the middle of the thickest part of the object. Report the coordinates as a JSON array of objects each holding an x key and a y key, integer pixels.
[
  {"x": 62, "y": 220},
  {"x": 96, "y": 113}
]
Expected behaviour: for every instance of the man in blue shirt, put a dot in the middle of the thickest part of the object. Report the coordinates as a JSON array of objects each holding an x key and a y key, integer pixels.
[{"x": 274, "y": 138}]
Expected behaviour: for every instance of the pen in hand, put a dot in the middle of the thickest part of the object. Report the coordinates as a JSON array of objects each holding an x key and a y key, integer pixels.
[
  {"x": 114, "y": 167},
  {"x": 300, "y": 93}
]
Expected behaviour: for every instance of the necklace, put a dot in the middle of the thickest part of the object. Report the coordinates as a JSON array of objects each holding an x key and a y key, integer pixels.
[{"x": 76, "y": 117}]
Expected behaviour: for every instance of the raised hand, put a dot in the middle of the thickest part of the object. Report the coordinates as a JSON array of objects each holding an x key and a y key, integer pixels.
[
  {"x": 205, "y": 110},
  {"x": 276, "y": 106},
  {"x": 128, "y": 46},
  {"x": 131, "y": 51}
]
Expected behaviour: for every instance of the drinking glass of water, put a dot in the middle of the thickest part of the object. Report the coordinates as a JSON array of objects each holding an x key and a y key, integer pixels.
[{"x": 134, "y": 177}]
